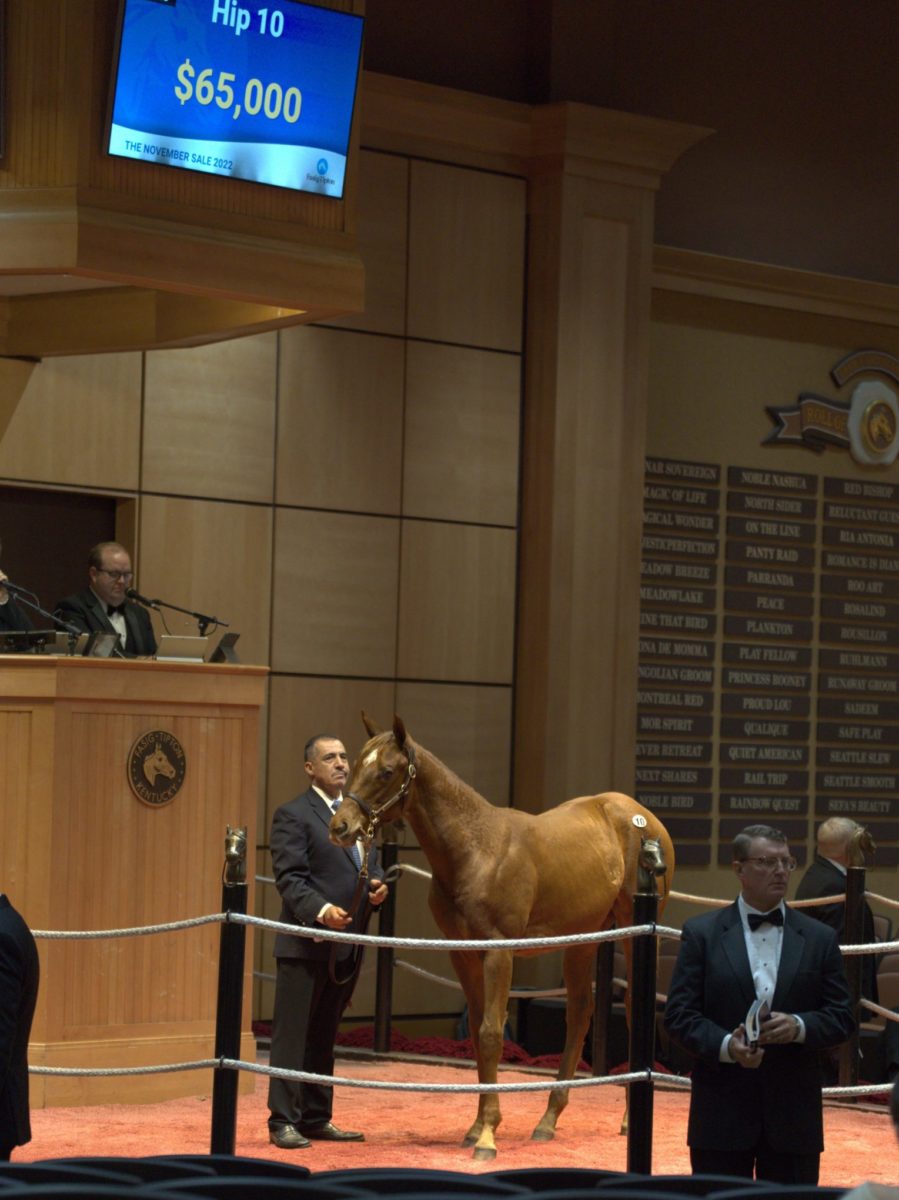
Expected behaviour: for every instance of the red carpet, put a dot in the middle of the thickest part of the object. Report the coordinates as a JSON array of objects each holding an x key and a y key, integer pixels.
[{"x": 422, "y": 1129}]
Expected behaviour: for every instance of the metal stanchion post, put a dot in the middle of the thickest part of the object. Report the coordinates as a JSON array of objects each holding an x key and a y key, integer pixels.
[
  {"x": 384, "y": 978},
  {"x": 602, "y": 1006},
  {"x": 642, "y": 1036},
  {"x": 853, "y": 934},
  {"x": 232, "y": 946}
]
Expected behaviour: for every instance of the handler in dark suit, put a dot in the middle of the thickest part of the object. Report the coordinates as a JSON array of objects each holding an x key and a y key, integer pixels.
[
  {"x": 103, "y": 606},
  {"x": 19, "y": 973},
  {"x": 317, "y": 881},
  {"x": 758, "y": 1108},
  {"x": 827, "y": 877}
]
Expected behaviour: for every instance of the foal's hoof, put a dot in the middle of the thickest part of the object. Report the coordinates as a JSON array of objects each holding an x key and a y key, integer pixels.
[
  {"x": 484, "y": 1153},
  {"x": 542, "y": 1135}
]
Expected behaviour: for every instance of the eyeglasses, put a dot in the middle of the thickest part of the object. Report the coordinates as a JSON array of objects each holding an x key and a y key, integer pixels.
[
  {"x": 115, "y": 576},
  {"x": 771, "y": 864}
]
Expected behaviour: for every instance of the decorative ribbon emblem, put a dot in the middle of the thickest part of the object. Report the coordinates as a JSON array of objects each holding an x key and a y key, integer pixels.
[{"x": 867, "y": 424}]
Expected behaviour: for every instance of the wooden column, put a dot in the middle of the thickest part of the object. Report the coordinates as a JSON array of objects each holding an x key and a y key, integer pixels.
[{"x": 593, "y": 177}]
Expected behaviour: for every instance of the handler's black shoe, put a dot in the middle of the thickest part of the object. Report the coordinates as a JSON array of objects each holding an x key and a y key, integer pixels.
[
  {"x": 288, "y": 1137},
  {"x": 330, "y": 1133}
]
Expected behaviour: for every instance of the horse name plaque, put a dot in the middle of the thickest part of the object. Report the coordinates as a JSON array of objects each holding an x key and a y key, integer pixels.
[{"x": 156, "y": 767}]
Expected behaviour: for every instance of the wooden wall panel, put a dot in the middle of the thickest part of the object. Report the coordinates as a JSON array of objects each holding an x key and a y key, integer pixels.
[
  {"x": 334, "y": 603},
  {"x": 457, "y": 603},
  {"x": 466, "y": 256},
  {"x": 381, "y": 241},
  {"x": 209, "y": 420},
  {"x": 77, "y": 421},
  {"x": 302, "y": 707},
  {"x": 212, "y": 558},
  {"x": 469, "y": 728},
  {"x": 462, "y": 430},
  {"x": 688, "y": 366},
  {"x": 340, "y": 420}
]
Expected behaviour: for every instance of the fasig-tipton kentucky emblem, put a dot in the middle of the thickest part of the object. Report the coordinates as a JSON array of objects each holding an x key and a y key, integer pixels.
[{"x": 156, "y": 767}]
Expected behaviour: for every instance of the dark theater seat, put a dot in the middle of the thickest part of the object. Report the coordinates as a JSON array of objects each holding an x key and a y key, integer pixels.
[
  {"x": 538, "y": 1179},
  {"x": 693, "y": 1185},
  {"x": 396, "y": 1181}
]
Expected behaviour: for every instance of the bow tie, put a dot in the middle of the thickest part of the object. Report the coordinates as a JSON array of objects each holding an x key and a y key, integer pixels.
[
  {"x": 774, "y": 917},
  {"x": 114, "y": 608}
]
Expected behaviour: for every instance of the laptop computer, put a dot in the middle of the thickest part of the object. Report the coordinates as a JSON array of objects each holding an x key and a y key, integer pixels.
[{"x": 178, "y": 648}]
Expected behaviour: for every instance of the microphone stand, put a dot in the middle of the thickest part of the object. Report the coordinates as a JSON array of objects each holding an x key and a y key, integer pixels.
[
  {"x": 21, "y": 596},
  {"x": 202, "y": 620}
]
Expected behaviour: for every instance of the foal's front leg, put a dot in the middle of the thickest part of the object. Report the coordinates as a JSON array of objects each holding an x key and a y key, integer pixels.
[
  {"x": 497, "y": 981},
  {"x": 469, "y": 968}
]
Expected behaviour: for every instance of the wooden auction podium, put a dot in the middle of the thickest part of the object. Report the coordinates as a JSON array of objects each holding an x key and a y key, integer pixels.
[{"x": 95, "y": 833}]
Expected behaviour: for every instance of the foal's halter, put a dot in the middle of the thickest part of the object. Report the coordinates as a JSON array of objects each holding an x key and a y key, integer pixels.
[{"x": 374, "y": 812}]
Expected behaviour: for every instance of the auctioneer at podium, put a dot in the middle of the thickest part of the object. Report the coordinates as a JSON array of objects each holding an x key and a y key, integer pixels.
[{"x": 103, "y": 605}]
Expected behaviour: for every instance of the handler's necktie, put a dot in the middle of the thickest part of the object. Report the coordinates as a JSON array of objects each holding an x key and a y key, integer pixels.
[{"x": 774, "y": 917}]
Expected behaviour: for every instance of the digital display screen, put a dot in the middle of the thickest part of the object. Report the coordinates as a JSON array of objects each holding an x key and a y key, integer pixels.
[{"x": 260, "y": 91}]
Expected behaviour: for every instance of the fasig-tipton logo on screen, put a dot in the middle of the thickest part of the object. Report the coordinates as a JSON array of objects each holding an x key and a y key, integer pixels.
[{"x": 259, "y": 92}]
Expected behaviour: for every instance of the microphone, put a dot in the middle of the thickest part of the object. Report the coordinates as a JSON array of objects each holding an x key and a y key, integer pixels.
[
  {"x": 135, "y": 595},
  {"x": 15, "y": 588}
]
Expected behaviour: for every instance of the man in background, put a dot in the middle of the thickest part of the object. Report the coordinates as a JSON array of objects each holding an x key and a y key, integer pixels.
[
  {"x": 755, "y": 1103},
  {"x": 13, "y": 617},
  {"x": 103, "y": 606},
  {"x": 318, "y": 882},
  {"x": 826, "y": 876},
  {"x": 19, "y": 974}
]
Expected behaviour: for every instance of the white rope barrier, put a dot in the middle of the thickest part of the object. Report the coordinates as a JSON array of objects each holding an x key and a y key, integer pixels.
[
  {"x": 712, "y": 901},
  {"x": 428, "y": 944},
  {"x": 574, "y": 939},
  {"x": 879, "y": 1009},
  {"x": 545, "y": 994},
  {"x": 399, "y": 869},
  {"x": 234, "y": 1064},
  {"x": 478, "y": 1088},
  {"x": 133, "y": 931},
  {"x": 200, "y": 1064},
  {"x": 367, "y": 939}
]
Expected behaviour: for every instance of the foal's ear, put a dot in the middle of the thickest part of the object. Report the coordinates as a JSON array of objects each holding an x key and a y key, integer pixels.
[
  {"x": 369, "y": 724},
  {"x": 399, "y": 731}
]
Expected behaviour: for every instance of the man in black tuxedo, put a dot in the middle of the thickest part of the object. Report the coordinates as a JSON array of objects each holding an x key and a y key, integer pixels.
[
  {"x": 758, "y": 1107},
  {"x": 103, "y": 607},
  {"x": 19, "y": 974},
  {"x": 317, "y": 881}
]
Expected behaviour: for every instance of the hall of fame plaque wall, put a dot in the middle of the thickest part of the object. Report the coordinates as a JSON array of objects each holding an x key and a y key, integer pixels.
[{"x": 769, "y": 655}]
